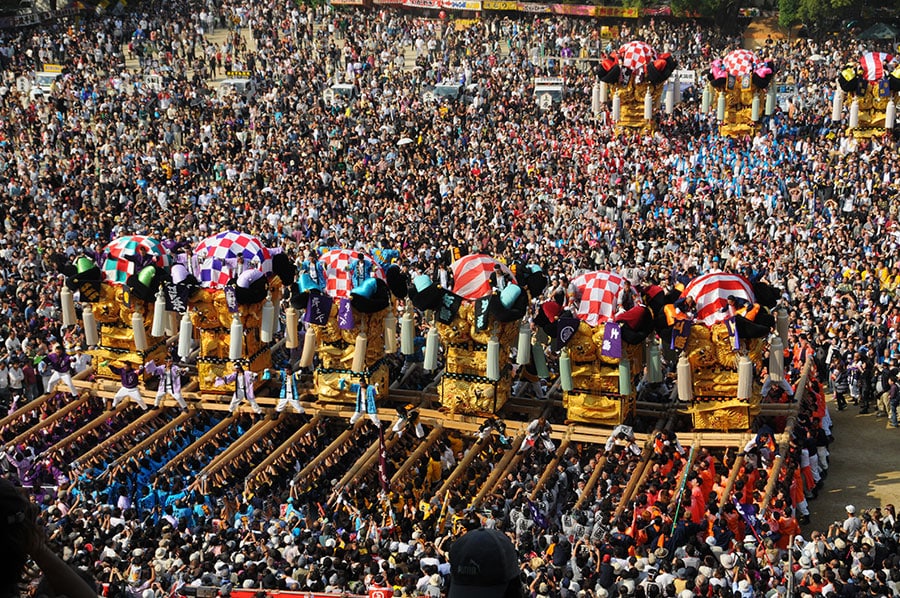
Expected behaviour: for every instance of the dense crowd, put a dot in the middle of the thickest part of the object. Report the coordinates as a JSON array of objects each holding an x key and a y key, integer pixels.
[{"x": 802, "y": 205}]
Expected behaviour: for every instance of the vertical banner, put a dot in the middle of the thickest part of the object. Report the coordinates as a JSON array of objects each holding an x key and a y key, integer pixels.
[
  {"x": 345, "y": 315},
  {"x": 681, "y": 331},
  {"x": 318, "y": 308},
  {"x": 382, "y": 462},
  {"x": 612, "y": 341}
]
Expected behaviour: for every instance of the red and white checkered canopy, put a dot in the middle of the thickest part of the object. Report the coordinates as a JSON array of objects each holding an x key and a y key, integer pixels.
[
  {"x": 599, "y": 295},
  {"x": 472, "y": 275},
  {"x": 634, "y": 55},
  {"x": 740, "y": 63},
  {"x": 710, "y": 292},
  {"x": 339, "y": 265}
]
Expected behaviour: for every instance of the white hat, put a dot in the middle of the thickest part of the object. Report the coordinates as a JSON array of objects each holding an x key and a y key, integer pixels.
[
  {"x": 805, "y": 562},
  {"x": 329, "y": 543},
  {"x": 160, "y": 553},
  {"x": 744, "y": 585},
  {"x": 239, "y": 558},
  {"x": 137, "y": 552},
  {"x": 728, "y": 560},
  {"x": 850, "y": 509},
  {"x": 686, "y": 594}
]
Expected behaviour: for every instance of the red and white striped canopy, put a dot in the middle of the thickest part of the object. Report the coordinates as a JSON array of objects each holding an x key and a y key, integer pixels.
[
  {"x": 472, "y": 275},
  {"x": 740, "y": 62},
  {"x": 873, "y": 65},
  {"x": 710, "y": 292},
  {"x": 339, "y": 267},
  {"x": 599, "y": 295}
]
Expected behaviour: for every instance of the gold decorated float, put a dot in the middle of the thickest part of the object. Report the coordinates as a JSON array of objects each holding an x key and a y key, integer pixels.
[
  {"x": 634, "y": 77},
  {"x": 867, "y": 90},
  {"x": 739, "y": 91}
]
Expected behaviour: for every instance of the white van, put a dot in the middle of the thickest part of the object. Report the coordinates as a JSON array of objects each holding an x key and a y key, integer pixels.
[
  {"x": 240, "y": 86},
  {"x": 549, "y": 91}
]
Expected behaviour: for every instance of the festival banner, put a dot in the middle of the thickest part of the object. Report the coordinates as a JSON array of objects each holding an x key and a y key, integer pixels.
[
  {"x": 422, "y": 3},
  {"x": 461, "y": 4},
  {"x": 533, "y": 7},
  {"x": 500, "y": 5},
  {"x": 584, "y": 10}
]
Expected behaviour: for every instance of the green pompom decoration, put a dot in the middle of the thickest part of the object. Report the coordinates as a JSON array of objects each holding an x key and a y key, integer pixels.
[{"x": 146, "y": 275}]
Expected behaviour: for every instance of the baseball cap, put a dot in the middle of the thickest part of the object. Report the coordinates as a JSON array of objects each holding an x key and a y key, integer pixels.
[
  {"x": 850, "y": 509},
  {"x": 482, "y": 563}
]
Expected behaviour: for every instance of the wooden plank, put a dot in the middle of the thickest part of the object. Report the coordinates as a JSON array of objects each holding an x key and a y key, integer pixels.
[
  {"x": 732, "y": 476},
  {"x": 248, "y": 438},
  {"x": 293, "y": 439},
  {"x": 369, "y": 462},
  {"x": 311, "y": 466},
  {"x": 638, "y": 475},
  {"x": 203, "y": 440},
  {"x": 89, "y": 427},
  {"x": 509, "y": 461},
  {"x": 462, "y": 465},
  {"x": 151, "y": 438},
  {"x": 551, "y": 466}
]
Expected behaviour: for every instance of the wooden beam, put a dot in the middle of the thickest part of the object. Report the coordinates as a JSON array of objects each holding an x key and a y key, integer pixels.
[
  {"x": 638, "y": 475},
  {"x": 50, "y": 419},
  {"x": 90, "y": 426},
  {"x": 128, "y": 429},
  {"x": 592, "y": 481},
  {"x": 293, "y": 439},
  {"x": 463, "y": 465},
  {"x": 202, "y": 441},
  {"x": 371, "y": 460},
  {"x": 311, "y": 466},
  {"x": 551, "y": 466},
  {"x": 152, "y": 437},
  {"x": 510, "y": 457},
  {"x": 423, "y": 447},
  {"x": 732, "y": 476},
  {"x": 261, "y": 427},
  {"x": 26, "y": 408}
]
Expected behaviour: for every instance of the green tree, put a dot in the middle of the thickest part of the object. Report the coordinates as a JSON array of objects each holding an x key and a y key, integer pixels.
[
  {"x": 723, "y": 12},
  {"x": 788, "y": 12}
]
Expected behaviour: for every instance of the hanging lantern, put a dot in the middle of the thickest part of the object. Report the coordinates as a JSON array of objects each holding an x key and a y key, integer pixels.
[
  {"x": 837, "y": 105},
  {"x": 854, "y": 113},
  {"x": 685, "y": 380},
  {"x": 523, "y": 346},
  {"x": 648, "y": 105},
  {"x": 236, "y": 340},
  {"x": 158, "y": 327},
  {"x": 565, "y": 371},
  {"x": 624, "y": 377},
  {"x": 185, "y": 336},
  {"x": 67, "y": 303},
  {"x": 137, "y": 327},
  {"x": 754, "y": 108},
  {"x": 267, "y": 321},
  {"x": 291, "y": 322},
  {"x": 90, "y": 326},
  {"x": 493, "y": 359},
  {"x": 617, "y": 107},
  {"x": 720, "y": 107},
  {"x": 540, "y": 360},
  {"x": 431, "y": 349},
  {"x": 309, "y": 348},
  {"x": 782, "y": 319},
  {"x": 670, "y": 99},
  {"x": 890, "y": 115},
  {"x": 745, "y": 378},
  {"x": 604, "y": 92},
  {"x": 654, "y": 364},
  {"x": 776, "y": 359},
  {"x": 770, "y": 101},
  {"x": 705, "y": 101},
  {"x": 390, "y": 333},
  {"x": 359, "y": 352},
  {"x": 407, "y": 332}
]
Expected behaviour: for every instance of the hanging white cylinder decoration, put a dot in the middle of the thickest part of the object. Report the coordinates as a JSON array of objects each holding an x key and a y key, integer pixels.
[
  {"x": 67, "y": 305},
  {"x": 236, "y": 339},
  {"x": 624, "y": 377},
  {"x": 854, "y": 113},
  {"x": 782, "y": 320},
  {"x": 670, "y": 99},
  {"x": 359, "y": 352},
  {"x": 754, "y": 108},
  {"x": 776, "y": 359},
  {"x": 276, "y": 318},
  {"x": 137, "y": 328},
  {"x": 267, "y": 321},
  {"x": 654, "y": 363},
  {"x": 890, "y": 115},
  {"x": 390, "y": 333},
  {"x": 523, "y": 346},
  {"x": 720, "y": 107},
  {"x": 540, "y": 360},
  {"x": 291, "y": 334},
  {"x": 493, "y": 359},
  {"x": 158, "y": 326},
  {"x": 565, "y": 371},
  {"x": 90, "y": 326},
  {"x": 185, "y": 336},
  {"x": 837, "y": 105},
  {"x": 685, "y": 380},
  {"x": 770, "y": 101},
  {"x": 596, "y": 102},
  {"x": 745, "y": 378},
  {"x": 604, "y": 92},
  {"x": 407, "y": 332},
  {"x": 617, "y": 107},
  {"x": 309, "y": 348},
  {"x": 648, "y": 105},
  {"x": 431, "y": 349},
  {"x": 705, "y": 100}
]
